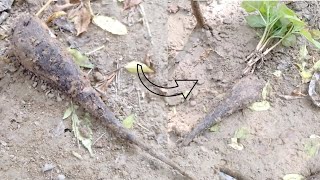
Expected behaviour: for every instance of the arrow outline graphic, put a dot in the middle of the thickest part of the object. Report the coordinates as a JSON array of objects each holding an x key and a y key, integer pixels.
[{"x": 176, "y": 81}]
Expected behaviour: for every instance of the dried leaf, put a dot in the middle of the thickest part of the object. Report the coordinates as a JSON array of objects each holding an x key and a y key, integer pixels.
[
  {"x": 56, "y": 15},
  {"x": 77, "y": 155},
  {"x": 78, "y": 129},
  {"x": 315, "y": 34},
  {"x": 277, "y": 73},
  {"x": 303, "y": 53},
  {"x": 110, "y": 24},
  {"x": 241, "y": 133},
  {"x": 235, "y": 144},
  {"x": 68, "y": 112},
  {"x": 266, "y": 90},
  {"x": 131, "y": 3},
  {"x": 80, "y": 59},
  {"x": 128, "y": 121},
  {"x": 314, "y": 136},
  {"x": 132, "y": 67},
  {"x": 312, "y": 146},
  {"x": 81, "y": 18},
  {"x": 293, "y": 177},
  {"x": 260, "y": 106},
  {"x": 87, "y": 143},
  {"x": 215, "y": 128}
]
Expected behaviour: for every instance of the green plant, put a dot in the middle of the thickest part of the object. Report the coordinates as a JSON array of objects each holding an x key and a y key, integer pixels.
[{"x": 280, "y": 24}]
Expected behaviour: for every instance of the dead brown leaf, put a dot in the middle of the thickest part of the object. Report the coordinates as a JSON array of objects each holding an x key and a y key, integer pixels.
[
  {"x": 81, "y": 18},
  {"x": 55, "y": 15},
  {"x": 131, "y": 3},
  {"x": 298, "y": 92},
  {"x": 74, "y": 1},
  {"x": 103, "y": 85}
]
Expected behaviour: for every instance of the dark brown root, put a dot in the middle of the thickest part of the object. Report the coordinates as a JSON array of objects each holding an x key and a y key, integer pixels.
[
  {"x": 46, "y": 57},
  {"x": 244, "y": 92}
]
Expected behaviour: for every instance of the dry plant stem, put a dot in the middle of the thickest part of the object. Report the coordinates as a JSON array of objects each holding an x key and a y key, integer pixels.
[
  {"x": 145, "y": 21},
  {"x": 44, "y": 7},
  {"x": 196, "y": 10},
  {"x": 244, "y": 92},
  {"x": 46, "y": 58}
]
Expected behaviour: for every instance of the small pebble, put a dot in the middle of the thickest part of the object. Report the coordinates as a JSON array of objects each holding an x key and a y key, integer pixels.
[
  {"x": 98, "y": 76},
  {"x": 43, "y": 87},
  {"x": 209, "y": 67},
  {"x": 12, "y": 69},
  {"x": 61, "y": 177},
  {"x": 59, "y": 99},
  {"x": 48, "y": 167},
  {"x": 195, "y": 93},
  {"x": 50, "y": 95},
  {"x": 193, "y": 103},
  {"x": 35, "y": 84},
  {"x": 201, "y": 81},
  {"x": 227, "y": 21}
]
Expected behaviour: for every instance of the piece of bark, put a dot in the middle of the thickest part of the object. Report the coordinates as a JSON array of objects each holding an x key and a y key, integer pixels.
[
  {"x": 46, "y": 57},
  {"x": 246, "y": 91}
]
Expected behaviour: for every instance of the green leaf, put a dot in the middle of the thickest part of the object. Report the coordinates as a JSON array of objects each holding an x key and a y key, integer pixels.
[
  {"x": 128, "y": 122},
  {"x": 251, "y": 6},
  {"x": 68, "y": 112},
  {"x": 241, "y": 133},
  {"x": 255, "y": 21},
  {"x": 132, "y": 67},
  {"x": 260, "y": 106},
  {"x": 280, "y": 32},
  {"x": 312, "y": 148},
  {"x": 308, "y": 36},
  {"x": 293, "y": 177},
  {"x": 315, "y": 34},
  {"x": 215, "y": 128},
  {"x": 283, "y": 9},
  {"x": 306, "y": 76},
  {"x": 295, "y": 21},
  {"x": 80, "y": 59},
  {"x": 290, "y": 40}
]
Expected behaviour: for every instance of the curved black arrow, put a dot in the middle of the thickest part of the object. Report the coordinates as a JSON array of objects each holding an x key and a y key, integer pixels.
[{"x": 176, "y": 86}]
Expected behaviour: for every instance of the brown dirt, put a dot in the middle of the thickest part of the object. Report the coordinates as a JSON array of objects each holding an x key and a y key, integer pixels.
[{"x": 32, "y": 132}]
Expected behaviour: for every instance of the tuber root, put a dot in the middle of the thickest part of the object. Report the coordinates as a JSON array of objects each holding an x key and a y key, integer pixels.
[{"x": 46, "y": 57}]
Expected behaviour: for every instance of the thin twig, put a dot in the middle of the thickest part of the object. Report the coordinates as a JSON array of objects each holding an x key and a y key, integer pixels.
[
  {"x": 145, "y": 21},
  {"x": 98, "y": 139},
  {"x": 95, "y": 50},
  {"x": 44, "y": 7},
  {"x": 139, "y": 101},
  {"x": 140, "y": 125}
]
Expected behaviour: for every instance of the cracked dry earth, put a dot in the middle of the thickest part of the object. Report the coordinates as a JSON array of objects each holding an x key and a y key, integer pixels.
[{"x": 33, "y": 134}]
